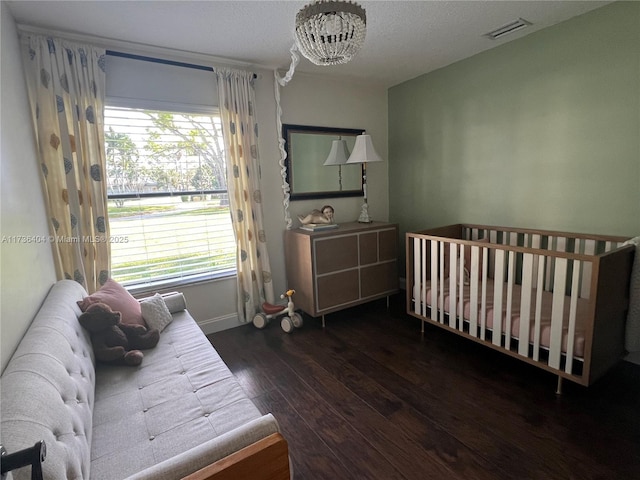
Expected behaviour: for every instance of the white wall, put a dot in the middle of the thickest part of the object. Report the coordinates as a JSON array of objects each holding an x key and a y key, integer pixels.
[
  {"x": 318, "y": 101},
  {"x": 27, "y": 270},
  {"x": 306, "y": 100}
]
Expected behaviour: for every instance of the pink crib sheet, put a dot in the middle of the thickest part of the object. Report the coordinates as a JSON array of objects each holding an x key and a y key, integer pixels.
[{"x": 545, "y": 313}]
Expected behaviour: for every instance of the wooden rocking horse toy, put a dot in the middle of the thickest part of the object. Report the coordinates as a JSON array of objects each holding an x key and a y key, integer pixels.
[{"x": 290, "y": 318}]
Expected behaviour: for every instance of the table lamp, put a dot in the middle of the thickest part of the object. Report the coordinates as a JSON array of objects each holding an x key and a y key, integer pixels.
[
  {"x": 338, "y": 155},
  {"x": 363, "y": 152}
]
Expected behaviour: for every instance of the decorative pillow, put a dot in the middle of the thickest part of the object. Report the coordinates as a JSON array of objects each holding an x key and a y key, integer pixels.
[
  {"x": 119, "y": 300},
  {"x": 155, "y": 312}
]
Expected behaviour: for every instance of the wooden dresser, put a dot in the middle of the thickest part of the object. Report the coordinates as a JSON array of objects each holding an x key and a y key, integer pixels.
[{"x": 339, "y": 268}]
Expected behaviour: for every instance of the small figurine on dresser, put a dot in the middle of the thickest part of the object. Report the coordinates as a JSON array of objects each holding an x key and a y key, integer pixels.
[
  {"x": 325, "y": 216},
  {"x": 318, "y": 219}
]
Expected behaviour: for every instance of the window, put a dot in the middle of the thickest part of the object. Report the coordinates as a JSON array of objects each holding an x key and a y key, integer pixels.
[{"x": 168, "y": 204}]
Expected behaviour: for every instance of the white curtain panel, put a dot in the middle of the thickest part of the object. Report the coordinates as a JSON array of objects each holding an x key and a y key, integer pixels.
[
  {"x": 66, "y": 85},
  {"x": 240, "y": 131}
]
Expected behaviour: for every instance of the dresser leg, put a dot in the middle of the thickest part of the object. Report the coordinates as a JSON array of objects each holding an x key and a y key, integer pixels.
[{"x": 322, "y": 321}]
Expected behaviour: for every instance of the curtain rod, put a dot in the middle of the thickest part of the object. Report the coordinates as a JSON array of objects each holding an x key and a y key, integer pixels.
[
  {"x": 174, "y": 63},
  {"x": 109, "y": 44}
]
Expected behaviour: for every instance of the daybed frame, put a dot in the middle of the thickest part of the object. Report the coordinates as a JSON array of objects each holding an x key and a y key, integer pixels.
[
  {"x": 563, "y": 296},
  {"x": 267, "y": 459}
]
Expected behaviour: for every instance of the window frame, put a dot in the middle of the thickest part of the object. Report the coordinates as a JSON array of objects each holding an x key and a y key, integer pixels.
[{"x": 146, "y": 286}]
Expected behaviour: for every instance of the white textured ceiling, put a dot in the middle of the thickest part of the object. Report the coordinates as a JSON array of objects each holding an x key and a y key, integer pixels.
[{"x": 404, "y": 38}]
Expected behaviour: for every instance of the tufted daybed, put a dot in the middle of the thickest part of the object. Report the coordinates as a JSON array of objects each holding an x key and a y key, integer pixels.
[{"x": 180, "y": 414}]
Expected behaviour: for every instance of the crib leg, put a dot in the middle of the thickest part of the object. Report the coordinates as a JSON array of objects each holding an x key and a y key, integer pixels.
[
  {"x": 422, "y": 327},
  {"x": 559, "y": 387}
]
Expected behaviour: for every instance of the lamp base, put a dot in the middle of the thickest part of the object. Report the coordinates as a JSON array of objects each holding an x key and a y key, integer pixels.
[{"x": 364, "y": 214}]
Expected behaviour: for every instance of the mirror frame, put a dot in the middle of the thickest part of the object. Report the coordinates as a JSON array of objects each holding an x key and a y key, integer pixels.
[{"x": 287, "y": 130}]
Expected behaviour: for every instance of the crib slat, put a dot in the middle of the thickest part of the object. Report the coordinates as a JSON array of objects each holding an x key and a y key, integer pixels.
[
  {"x": 551, "y": 265},
  {"x": 473, "y": 291},
  {"x": 497, "y": 298},
  {"x": 573, "y": 310},
  {"x": 483, "y": 306},
  {"x": 561, "y": 244},
  {"x": 511, "y": 273},
  {"x": 461, "y": 280},
  {"x": 579, "y": 248},
  {"x": 453, "y": 268},
  {"x": 493, "y": 238},
  {"x": 538, "y": 314},
  {"x": 525, "y": 304},
  {"x": 417, "y": 286},
  {"x": 557, "y": 312},
  {"x": 421, "y": 273},
  {"x": 585, "y": 289},
  {"x": 434, "y": 280},
  {"x": 440, "y": 304},
  {"x": 536, "y": 241},
  {"x": 578, "y": 245}
]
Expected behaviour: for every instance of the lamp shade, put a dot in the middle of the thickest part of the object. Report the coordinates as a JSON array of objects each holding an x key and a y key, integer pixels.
[
  {"x": 339, "y": 153},
  {"x": 363, "y": 151}
]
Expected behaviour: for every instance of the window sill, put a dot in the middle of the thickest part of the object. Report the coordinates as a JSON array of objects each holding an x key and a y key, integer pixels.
[{"x": 140, "y": 289}]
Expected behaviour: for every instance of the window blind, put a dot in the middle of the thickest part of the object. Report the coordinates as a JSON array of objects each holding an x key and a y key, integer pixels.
[{"x": 168, "y": 205}]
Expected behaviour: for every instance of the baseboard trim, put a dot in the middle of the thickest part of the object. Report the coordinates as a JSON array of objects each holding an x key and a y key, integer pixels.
[
  {"x": 633, "y": 358},
  {"x": 218, "y": 324}
]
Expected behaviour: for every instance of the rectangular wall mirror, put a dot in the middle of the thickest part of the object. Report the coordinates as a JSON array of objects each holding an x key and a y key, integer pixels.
[{"x": 307, "y": 150}]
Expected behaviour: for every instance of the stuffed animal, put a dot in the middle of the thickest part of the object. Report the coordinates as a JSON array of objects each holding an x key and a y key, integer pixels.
[{"x": 114, "y": 341}]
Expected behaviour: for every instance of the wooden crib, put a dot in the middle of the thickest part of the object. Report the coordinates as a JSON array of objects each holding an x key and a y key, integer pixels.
[{"x": 552, "y": 299}]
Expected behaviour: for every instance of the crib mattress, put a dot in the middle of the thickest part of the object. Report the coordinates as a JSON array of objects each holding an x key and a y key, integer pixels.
[{"x": 545, "y": 313}]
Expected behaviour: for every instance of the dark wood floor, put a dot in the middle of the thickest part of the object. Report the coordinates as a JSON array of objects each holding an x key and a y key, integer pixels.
[{"x": 369, "y": 398}]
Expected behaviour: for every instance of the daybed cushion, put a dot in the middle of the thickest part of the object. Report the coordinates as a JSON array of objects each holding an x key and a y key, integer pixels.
[
  {"x": 51, "y": 377},
  {"x": 182, "y": 396},
  {"x": 115, "y": 422}
]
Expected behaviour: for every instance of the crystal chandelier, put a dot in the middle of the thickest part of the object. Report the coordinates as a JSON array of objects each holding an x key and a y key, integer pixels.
[{"x": 330, "y": 32}]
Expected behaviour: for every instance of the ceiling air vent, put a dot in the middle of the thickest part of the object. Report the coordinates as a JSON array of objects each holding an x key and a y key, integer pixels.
[{"x": 507, "y": 29}]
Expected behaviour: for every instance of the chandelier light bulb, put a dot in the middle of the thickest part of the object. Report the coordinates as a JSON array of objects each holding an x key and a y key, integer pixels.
[{"x": 333, "y": 25}]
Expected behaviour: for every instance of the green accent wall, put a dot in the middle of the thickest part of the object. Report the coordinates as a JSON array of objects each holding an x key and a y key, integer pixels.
[{"x": 540, "y": 132}]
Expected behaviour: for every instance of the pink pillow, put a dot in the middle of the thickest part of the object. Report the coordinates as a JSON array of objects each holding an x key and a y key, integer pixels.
[{"x": 119, "y": 299}]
